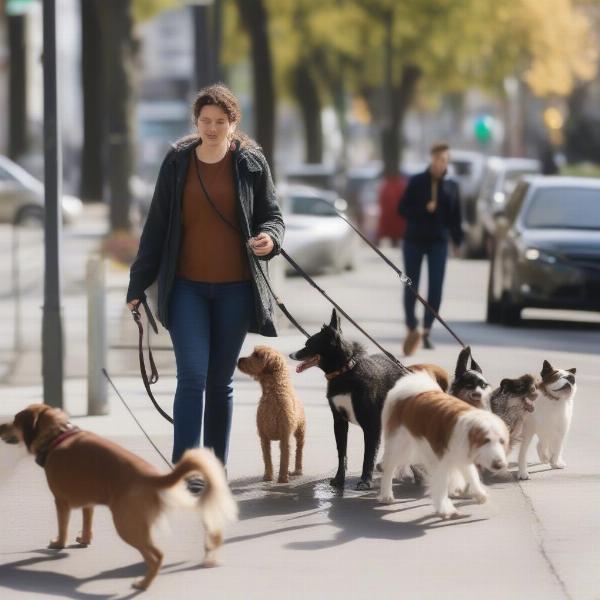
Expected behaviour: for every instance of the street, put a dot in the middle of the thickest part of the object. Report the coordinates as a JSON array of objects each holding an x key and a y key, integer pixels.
[{"x": 533, "y": 539}]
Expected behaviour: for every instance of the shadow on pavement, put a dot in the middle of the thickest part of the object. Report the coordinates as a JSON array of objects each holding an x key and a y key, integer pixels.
[
  {"x": 18, "y": 577},
  {"x": 357, "y": 515}
]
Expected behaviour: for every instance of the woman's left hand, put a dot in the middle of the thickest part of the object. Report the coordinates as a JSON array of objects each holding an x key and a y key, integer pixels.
[{"x": 262, "y": 244}]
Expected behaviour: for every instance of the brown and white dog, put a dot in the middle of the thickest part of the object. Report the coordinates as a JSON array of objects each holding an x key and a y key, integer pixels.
[
  {"x": 423, "y": 425},
  {"x": 280, "y": 413},
  {"x": 84, "y": 470}
]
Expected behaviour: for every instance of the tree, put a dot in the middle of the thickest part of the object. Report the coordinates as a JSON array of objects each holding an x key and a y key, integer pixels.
[{"x": 255, "y": 19}]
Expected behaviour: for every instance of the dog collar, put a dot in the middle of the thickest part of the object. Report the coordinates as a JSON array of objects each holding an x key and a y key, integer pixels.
[
  {"x": 42, "y": 454},
  {"x": 347, "y": 367}
]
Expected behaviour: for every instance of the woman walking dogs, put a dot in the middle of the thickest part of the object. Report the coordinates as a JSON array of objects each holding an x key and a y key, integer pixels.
[
  {"x": 214, "y": 210},
  {"x": 431, "y": 205}
]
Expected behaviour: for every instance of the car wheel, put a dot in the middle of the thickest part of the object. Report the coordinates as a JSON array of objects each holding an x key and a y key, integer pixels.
[
  {"x": 510, "y": 312},
  {"x": 30, "y": 217}
]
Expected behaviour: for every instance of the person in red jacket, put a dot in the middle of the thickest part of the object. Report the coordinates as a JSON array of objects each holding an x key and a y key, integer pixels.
[{"x": 391, "y": 225}]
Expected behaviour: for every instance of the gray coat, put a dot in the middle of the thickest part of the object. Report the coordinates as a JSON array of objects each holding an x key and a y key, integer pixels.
[{"x": 258, "y": 212}]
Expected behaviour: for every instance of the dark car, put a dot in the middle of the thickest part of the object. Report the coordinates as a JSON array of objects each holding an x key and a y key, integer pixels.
[{"x": 546, "y": 248}]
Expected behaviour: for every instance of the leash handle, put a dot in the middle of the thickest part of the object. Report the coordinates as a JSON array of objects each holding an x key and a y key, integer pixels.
[{"x": 137, "y": 317}]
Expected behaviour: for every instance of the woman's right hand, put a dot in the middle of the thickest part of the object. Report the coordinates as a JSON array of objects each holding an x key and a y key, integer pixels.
[{"x": 133, "y": 304}]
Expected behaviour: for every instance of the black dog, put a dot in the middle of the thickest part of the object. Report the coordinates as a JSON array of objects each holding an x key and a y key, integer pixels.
[{"x": 357, "y": 386}]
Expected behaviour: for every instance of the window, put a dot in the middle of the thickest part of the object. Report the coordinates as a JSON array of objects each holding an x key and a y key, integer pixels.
[{"x": 564, "y": 208}]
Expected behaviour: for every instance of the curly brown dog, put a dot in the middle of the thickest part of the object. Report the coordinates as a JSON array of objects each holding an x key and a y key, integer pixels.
[
  {"x": 280, "y": 413},
  {"x": 84, "y": 470}
]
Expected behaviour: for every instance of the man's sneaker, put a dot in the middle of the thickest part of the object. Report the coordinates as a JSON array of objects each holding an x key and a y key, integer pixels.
[
  {"x": 195, "y": 485},
  {"x": 427, "y": 343},
  {"x": 411, "y": 343}
]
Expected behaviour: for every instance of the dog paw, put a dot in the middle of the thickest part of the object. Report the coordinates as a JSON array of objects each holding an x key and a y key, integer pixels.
[
  {"x": 448, "y": 514},
  {"x": 139, "y": 584},
  {"x": 337, "y": 482},
  {"x": 56, "y": 545},
  {"x": 523, "y": 475},
  {"x": 364, "y": 484},
  {"x": 559, "y": 464},
  {"x": 209, "y": 563},
  {"x": 267, "y": 477},
  {"x": 83, "y": 540},
  {"x": 480, "y": 497},
  {"x": 385, "y": 498},
  {"x": 296, "y": 473},
  {"x": 282, "y": 479}
]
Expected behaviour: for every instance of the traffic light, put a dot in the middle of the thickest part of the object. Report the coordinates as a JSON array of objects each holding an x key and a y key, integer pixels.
[{"x": 483, "y": 129}]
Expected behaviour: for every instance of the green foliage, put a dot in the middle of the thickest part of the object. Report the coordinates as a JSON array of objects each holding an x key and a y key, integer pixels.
[{"x": 144, "y": 10}]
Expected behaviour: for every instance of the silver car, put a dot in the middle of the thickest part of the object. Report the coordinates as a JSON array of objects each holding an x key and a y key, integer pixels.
[
  {"x": 22, "y": 197},
  {"x": 315, "y": 237}
]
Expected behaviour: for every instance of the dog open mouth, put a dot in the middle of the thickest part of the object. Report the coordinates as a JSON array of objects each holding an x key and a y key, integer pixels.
[{"x": 312, "y": 361}]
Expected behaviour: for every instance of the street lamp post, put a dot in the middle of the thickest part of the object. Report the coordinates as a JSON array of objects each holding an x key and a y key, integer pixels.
[
  {"x": 52, "y": 330},
  {"x": 206, "y": 41}
]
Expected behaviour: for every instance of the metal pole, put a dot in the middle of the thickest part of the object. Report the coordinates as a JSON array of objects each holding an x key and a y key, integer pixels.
[
  {"x": 52, "y": 330},
  {"x": 202, "y": 46},
  {"x": 97, "y": 403}
]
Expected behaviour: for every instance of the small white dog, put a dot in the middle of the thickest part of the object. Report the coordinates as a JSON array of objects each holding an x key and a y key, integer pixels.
[
  {"x": 423, "y": 425},
  {"x": 551, "y": 419}
]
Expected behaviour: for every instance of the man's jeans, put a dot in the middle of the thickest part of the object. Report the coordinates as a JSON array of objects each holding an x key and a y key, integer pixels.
[
  {"x": 208, "y": 324},
  {"x": 437, "y": 253}
]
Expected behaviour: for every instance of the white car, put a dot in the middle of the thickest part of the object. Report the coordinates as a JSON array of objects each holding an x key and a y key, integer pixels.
[
  {"x": 22, "y": 197},
  {"x": 315, "y": 236}
]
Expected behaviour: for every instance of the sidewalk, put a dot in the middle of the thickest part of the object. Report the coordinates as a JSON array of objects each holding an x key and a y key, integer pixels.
[{"x": 303, "y": 539}]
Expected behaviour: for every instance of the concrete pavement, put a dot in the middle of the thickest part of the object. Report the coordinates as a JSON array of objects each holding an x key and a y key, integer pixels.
[{"x": 535, "y": 539}]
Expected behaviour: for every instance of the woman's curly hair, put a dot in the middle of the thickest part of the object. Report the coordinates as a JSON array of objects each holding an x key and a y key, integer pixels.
[{"x": 220, "y": 95}]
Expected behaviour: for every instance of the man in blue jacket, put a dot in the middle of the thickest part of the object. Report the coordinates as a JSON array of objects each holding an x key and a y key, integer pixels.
[{"x": 431, "y": 206}]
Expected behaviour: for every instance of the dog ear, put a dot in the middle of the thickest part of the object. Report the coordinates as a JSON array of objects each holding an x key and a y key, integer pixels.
[
  {"x": 461, "y": 363},
  {"x": 573, "y": 370},
  {"x": 25, "y": 422},
  {"x": 475, "y": 366},
  {"x": 505, "y": 383},
  {"x": 547, "y": 369},
  {"x": 335, "y": 321}
]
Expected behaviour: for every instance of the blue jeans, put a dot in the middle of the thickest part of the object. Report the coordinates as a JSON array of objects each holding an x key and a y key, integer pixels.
[
  {"x": 437, "y": 253},
  {"x": 208, "y": 324}
]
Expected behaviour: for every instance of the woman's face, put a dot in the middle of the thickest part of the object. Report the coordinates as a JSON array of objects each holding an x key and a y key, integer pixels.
[{"x": 213, "y": 126}]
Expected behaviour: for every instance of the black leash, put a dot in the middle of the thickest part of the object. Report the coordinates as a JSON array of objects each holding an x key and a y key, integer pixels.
[
  {"x": 114, "y": 387},
  {"x": 148, "y": 381},
  {"x": 403, "y": 278},
  {"x": 341, "y": 310}
]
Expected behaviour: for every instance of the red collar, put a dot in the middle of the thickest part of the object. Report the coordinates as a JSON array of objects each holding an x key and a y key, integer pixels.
[
  {"x": 42, "y": 454},
  {"x": 347, "y": 367}
]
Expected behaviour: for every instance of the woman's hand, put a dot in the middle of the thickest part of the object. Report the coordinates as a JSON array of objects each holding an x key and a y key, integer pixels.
[
  {"x": 262, "y": 244},
  {"x": 131, "y": 305}
]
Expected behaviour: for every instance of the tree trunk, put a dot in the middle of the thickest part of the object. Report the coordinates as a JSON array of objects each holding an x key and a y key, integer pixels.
[
  {"x": 94, "y": 105},
  {"x": 17, "y": 102},
  {"x": 307, "y": 96},
  {"x": 400, "y": 100},
  {"x": 254, "y": 16},
  {"x": 117, "y": 26}
]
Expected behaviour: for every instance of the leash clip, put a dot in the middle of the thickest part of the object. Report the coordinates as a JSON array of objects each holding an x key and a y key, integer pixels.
[{"x": 405, "y": 279}]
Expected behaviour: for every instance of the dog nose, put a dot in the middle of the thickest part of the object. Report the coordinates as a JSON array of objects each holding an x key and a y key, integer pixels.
[{"x": 498, "y": 465}]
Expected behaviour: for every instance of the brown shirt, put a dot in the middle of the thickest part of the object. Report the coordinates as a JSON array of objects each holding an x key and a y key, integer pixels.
[{"x": 210, "y": 250}]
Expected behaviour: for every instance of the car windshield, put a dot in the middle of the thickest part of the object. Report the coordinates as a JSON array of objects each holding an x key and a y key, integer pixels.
[
  {"x": 564, "y": 208},
  {"x": 311, "y": 205}
]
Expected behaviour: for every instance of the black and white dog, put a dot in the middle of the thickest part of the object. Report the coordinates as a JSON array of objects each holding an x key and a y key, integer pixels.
[
  {"x": 469, "y": 384},
  {"x": 357, "y": 385}
]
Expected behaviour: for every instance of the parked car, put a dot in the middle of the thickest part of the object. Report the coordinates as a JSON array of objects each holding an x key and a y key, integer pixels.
[
  {"x": 499, "y": 180},
  {"x": 315, "y": 237},
  {"x": 546, "y": 248},
  {"x": 22, "y": 197}
]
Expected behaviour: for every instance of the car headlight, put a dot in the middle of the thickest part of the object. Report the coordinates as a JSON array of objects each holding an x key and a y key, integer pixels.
[{"x": 539, "y": 255}]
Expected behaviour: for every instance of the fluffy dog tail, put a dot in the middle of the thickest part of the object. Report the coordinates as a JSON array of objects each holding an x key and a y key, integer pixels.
[{"x": 217, "y": 505}]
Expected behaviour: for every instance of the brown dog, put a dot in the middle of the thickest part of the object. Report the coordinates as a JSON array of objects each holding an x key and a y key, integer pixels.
[
  {"x": 84, "y": 470},
  {"x": 438, "y": 373},
  {"x": 280, "y": 413}
]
